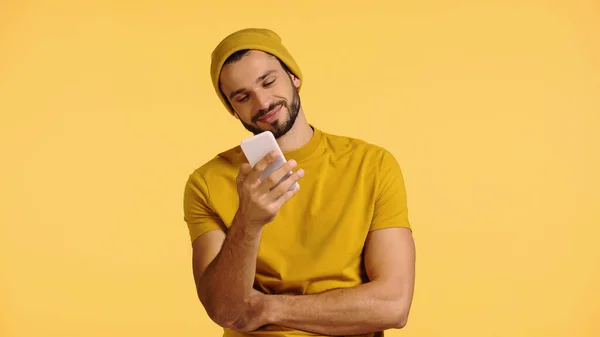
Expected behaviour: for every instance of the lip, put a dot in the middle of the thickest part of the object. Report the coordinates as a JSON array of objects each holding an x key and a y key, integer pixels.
[{"x": 271, "y": 116}]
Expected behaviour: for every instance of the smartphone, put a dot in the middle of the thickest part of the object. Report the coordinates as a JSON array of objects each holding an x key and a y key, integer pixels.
[{"x": 258, "y": 146}]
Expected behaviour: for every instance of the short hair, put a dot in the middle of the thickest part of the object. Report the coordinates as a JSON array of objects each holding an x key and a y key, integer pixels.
[{"x": 236, "y": 56}]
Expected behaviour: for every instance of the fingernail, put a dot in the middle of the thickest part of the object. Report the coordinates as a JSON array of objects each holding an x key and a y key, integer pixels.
[{"x": 301, "y": 172}]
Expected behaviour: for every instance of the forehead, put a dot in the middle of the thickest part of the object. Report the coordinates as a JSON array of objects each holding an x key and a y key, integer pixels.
[{"x": 248, "y": 69}]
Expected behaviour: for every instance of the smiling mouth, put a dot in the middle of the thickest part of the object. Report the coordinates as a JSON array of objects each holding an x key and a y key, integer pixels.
[{"x": 269, "y": 115}]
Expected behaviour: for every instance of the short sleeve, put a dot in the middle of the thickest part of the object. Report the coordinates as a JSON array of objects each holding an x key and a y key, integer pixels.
[
  {"x": 198, "y": 215},
  {"x": 390, "y": 201}
]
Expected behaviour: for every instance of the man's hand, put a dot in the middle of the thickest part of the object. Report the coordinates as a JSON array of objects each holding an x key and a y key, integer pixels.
[{"x": 260, "y": 201}]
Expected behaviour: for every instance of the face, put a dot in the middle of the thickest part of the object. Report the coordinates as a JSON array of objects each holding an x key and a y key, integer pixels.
[{"x": 262, "y": 93}]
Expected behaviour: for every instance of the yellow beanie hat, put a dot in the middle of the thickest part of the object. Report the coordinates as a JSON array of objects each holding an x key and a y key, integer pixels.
[{"x": 250, "y": 38}]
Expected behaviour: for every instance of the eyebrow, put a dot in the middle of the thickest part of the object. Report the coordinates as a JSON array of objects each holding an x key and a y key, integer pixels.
[{"x": 261, "y": 78}]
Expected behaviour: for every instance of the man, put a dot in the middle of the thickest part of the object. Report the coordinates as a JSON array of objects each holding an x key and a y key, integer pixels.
[{"x": 334, "y": 257}]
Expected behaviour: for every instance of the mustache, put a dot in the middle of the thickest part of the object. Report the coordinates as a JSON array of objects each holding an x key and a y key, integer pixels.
[{"x": 271, "y": 107}]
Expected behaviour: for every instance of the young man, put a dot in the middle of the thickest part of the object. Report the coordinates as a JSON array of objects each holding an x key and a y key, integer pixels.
[{"x": 334, "y": 257}]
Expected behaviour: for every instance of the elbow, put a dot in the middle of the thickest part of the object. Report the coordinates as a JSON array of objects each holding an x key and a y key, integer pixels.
[
  {"x": 400, "y": 313},
  {"x": 215, "y": 309},
  {"x": 400, "y": 321},
  {"x": 227, "y": 315},
  {"x": 232, "y": 322}
]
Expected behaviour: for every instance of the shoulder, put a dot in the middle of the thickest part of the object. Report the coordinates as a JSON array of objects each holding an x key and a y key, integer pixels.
[
  {"x": 358, "y": 148},
  {"x": 222, "y": 164}
]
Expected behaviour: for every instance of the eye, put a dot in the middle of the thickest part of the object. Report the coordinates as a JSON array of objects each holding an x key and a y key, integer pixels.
[
  {"x": 269, "y": 83},
  {"x": 243, "y": 99}
]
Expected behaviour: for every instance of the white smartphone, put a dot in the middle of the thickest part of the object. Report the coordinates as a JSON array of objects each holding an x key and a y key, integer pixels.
[{"x": 258, "y": 146}]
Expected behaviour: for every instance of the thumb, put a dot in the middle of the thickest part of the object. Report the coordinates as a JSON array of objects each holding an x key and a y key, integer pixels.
[{"x": 245, "y": 168}]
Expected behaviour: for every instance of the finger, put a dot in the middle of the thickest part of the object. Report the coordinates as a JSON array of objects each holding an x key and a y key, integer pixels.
[
  {"x": 245, "y": 168},
  {"x": 284, "y": 187},
  {"x": 286, "y": 196},
  {"x": 262, "y": 165},
  {"x": 277, "y": 176}
]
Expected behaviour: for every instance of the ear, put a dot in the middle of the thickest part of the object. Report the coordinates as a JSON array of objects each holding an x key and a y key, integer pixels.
[{"x": 295, "y": 80}]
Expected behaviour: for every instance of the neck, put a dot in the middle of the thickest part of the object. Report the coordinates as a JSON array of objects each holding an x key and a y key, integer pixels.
[{"x": 298, "y": 135}]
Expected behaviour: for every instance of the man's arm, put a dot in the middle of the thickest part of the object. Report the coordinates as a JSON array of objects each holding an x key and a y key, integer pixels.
[
  {"x": 383, "y": 303},
  {"x": 224, "y": 268}
]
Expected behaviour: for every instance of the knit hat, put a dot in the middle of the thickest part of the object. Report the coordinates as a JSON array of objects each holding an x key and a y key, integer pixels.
[{"x": 250, "y": 38}]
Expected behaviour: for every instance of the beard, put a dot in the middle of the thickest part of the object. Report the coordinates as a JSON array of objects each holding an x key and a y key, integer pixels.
[{"x": 278, "y": 129}]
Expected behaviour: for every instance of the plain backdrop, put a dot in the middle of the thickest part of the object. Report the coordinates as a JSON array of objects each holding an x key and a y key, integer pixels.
[{"x": 492, "y": 109}]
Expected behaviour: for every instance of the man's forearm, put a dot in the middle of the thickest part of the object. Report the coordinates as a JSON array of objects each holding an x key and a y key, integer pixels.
[
  {"x": 227, "y": 283},
  {"x": 363, "y": 309}
]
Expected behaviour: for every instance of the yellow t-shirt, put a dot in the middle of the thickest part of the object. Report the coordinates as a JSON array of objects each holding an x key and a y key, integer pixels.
[{"x": 315, "y": 243}]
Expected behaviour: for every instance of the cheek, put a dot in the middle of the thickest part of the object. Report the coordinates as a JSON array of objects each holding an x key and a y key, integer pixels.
[
  {"x": 243, "y": 111},
  {"x": 285, "y": 93}
]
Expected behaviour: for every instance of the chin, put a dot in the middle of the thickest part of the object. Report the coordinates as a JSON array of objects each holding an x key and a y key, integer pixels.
[
  {"x": 279, "y": 127},
  {"x": 276, "y": 124}
]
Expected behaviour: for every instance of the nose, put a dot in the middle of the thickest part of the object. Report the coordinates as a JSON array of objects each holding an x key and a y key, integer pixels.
[{"x": 261, "y": 100}]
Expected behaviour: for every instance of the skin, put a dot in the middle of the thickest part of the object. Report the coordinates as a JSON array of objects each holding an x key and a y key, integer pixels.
[{"x": 224, "y": 265}]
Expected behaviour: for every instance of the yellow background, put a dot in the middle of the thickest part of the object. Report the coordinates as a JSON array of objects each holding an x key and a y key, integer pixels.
[{"x": 491, "y": 107}]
